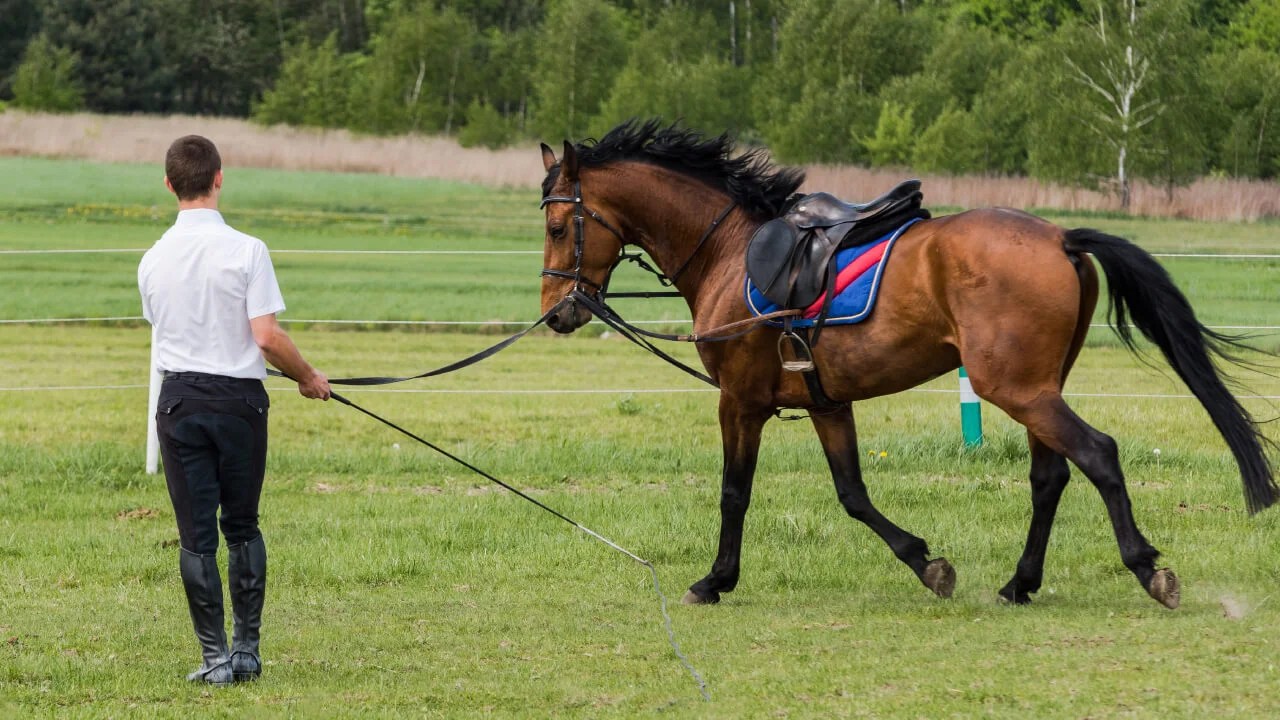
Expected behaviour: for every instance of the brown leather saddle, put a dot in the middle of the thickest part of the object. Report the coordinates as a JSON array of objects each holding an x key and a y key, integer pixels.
[{"x": 791, "y": 259}]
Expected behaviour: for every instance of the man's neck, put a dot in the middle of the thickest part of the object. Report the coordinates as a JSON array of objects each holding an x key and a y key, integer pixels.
[{"x": 209, "y": 202}]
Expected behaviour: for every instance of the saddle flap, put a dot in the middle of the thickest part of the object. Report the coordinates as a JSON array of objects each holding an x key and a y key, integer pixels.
[{"x": 769, "y": 256}]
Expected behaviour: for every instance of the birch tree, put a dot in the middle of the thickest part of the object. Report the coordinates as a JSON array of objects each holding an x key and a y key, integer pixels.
[
  {"x": 1120, "y": 82},
  {"x": 1123, "y": 98}
]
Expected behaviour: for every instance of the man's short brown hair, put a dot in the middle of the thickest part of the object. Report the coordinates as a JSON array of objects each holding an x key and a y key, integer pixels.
[{"x": 191, "y": 164}]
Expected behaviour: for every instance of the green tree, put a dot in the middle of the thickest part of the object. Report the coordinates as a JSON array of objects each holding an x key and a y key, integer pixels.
[
  {"x": 955, "y": 143},
  {"x": 672, "y": 74},
  {"x": 580, "y": 51},
  {"x": 46, "y": 78},
  {"x": 120, "y": 50},
  {"x": 21, "y": 23},
  {"x": 1247, "y": 81},
  {"x": 419, "y": 76},
  {"x": 314, "y": 88},
  {"x": 485, "y": 126},
  {"x": 223, "y": 55},
  {"x": 1021, "y": 19},
  {"x": 507, "y": 80},
  {"x": 1003, "y": 112},
  {"x": 1126, "y": 83},
  {"x": 1257, "y": 25},
  {"x": 894, "y": 137},
  {"x": 956, "y": 72},
  {"x": 834, "y": 57}
]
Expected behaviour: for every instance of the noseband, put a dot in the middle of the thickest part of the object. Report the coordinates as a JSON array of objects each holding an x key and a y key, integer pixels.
[{"x": 580, "y": 213}]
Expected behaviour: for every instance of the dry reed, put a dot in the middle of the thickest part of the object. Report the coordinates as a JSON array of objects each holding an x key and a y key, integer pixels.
[
  {"x": 144, "y": 139},
  {"x": 111, "y": 138},
  {"x": 1211, "y": 199}
]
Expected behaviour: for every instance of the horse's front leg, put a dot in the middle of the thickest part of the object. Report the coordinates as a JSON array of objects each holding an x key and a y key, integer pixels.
[
  {"x": 740, "y": 434},
  {"x": 839, "y": 440}
]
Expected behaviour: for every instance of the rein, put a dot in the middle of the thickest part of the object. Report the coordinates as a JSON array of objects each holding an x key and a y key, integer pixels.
[
  {"x": 639, "y": 336},
  {"x": 442, "y": 370}
]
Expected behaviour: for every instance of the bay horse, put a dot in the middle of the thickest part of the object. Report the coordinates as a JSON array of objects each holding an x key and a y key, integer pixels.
[{"x": 1005, "y": 294}]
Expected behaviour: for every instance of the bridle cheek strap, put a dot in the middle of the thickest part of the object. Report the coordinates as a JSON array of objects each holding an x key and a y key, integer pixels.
[{"x": 580, "y": 212}]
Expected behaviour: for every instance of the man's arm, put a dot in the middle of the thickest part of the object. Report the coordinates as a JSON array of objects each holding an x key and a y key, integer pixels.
[{"x": 280, "y": 351}]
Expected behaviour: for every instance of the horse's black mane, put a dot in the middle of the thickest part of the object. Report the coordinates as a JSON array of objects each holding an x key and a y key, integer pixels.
[{"x": 757, "y": 185}]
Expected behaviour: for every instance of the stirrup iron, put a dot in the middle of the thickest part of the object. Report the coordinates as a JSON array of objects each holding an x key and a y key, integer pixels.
[{"x": 804, "y": 356}]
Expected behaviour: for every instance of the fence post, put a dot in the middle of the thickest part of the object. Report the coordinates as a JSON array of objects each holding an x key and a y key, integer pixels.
[
  {"x": 153, "y": 401},
  {"x": 970, "y": 412}
]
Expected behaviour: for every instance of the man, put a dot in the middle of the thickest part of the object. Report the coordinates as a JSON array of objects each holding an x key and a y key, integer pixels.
[{"x": 210, "y": 293}]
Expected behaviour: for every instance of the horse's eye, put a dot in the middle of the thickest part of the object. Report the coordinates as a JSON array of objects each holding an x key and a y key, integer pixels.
[{"x": 557, "y": 231}]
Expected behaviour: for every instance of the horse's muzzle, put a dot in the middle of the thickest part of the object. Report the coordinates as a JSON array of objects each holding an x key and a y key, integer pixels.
[{"x": 568, "y": 316}]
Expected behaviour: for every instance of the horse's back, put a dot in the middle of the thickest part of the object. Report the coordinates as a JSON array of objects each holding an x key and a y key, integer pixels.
[{"x": 980, "y": 288}]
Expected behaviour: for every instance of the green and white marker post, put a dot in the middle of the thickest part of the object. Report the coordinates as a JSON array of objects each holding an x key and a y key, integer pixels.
[{"x": 970, "y": 412}]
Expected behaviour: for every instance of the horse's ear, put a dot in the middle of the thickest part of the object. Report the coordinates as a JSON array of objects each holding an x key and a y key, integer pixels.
[
  {"x": 548, "y": 157},
  {"x": 569, "y": 162}
]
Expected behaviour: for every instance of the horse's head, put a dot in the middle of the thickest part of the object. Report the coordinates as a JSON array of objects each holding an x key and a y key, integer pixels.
[{"x": 582, "y": 245}]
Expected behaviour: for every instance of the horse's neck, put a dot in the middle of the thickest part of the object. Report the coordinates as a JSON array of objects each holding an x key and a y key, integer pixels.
[{"x": 671, "y": 223}]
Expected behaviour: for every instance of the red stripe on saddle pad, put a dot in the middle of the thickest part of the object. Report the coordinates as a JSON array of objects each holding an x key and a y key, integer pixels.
[{"x": 848, "y": 274}]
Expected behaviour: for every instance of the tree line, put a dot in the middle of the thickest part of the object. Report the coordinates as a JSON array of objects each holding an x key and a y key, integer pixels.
[{"x": 1092, "y": 92}]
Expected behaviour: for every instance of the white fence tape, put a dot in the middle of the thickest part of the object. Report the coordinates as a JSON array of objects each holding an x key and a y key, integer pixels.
[
  {"x": 75, "y": 251},
  {"x": 462, "y": 323},
  {"x": 594, "y": 391}
]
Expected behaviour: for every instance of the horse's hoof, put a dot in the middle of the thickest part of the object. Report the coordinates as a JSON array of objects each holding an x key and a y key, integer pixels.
[
  {"x": 1165, "y": 589},
  {"x": 1009, "y": 595},
  {"x": 693, "y": 598},
  {"x": 939, "y": 577}
]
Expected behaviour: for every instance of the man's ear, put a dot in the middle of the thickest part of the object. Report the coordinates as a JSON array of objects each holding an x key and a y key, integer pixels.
[
  {"x": 569, "y": 163},
  {"x": 169, "y": 186},
  {"x": 548, "y": 157},
  {"x": 217, "y": 181}
]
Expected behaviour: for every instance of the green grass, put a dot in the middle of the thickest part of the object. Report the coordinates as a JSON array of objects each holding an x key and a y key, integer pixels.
[{"x": 401, "y": 584}]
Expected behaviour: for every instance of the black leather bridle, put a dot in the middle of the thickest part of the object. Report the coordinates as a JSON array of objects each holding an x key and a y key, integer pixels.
[{"x": 580, "y": 213}]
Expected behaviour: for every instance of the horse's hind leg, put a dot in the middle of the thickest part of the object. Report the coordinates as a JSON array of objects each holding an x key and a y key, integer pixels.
[
  {"x": 840, "y": 442},
  {"x": 1049, "y": 475},
  {"x": 1049, "y": 418}
]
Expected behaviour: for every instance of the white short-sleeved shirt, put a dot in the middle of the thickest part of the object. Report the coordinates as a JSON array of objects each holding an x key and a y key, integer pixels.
[{"x": 201, "y": 283}]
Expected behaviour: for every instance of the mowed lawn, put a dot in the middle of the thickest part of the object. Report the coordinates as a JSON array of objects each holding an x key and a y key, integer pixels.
[{"x": 401, "y": 584}]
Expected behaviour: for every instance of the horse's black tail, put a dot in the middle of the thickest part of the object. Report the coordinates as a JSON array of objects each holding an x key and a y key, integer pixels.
[{"x": 1141, "y": 289}]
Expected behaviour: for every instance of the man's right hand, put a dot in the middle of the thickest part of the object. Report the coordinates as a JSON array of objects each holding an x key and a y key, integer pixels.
[
  {"x": 316, "y": 388},
  {"x": 280, "y": 351}
]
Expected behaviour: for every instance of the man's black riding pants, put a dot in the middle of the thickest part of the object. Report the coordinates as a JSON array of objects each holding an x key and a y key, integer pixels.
[{"x": 213, "y": 438}]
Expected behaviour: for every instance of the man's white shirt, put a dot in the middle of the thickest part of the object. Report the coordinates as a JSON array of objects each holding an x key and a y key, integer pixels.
[{"x": 201, "y": 283}]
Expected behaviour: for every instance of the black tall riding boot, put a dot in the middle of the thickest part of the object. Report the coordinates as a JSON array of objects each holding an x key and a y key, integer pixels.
[
  {"x": 204, "y": 598},
  {"x": 247, "y": 574}
]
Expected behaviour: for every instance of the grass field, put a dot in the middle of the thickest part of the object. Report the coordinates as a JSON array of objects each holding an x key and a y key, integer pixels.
[{"x": 403, "y": 585}]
